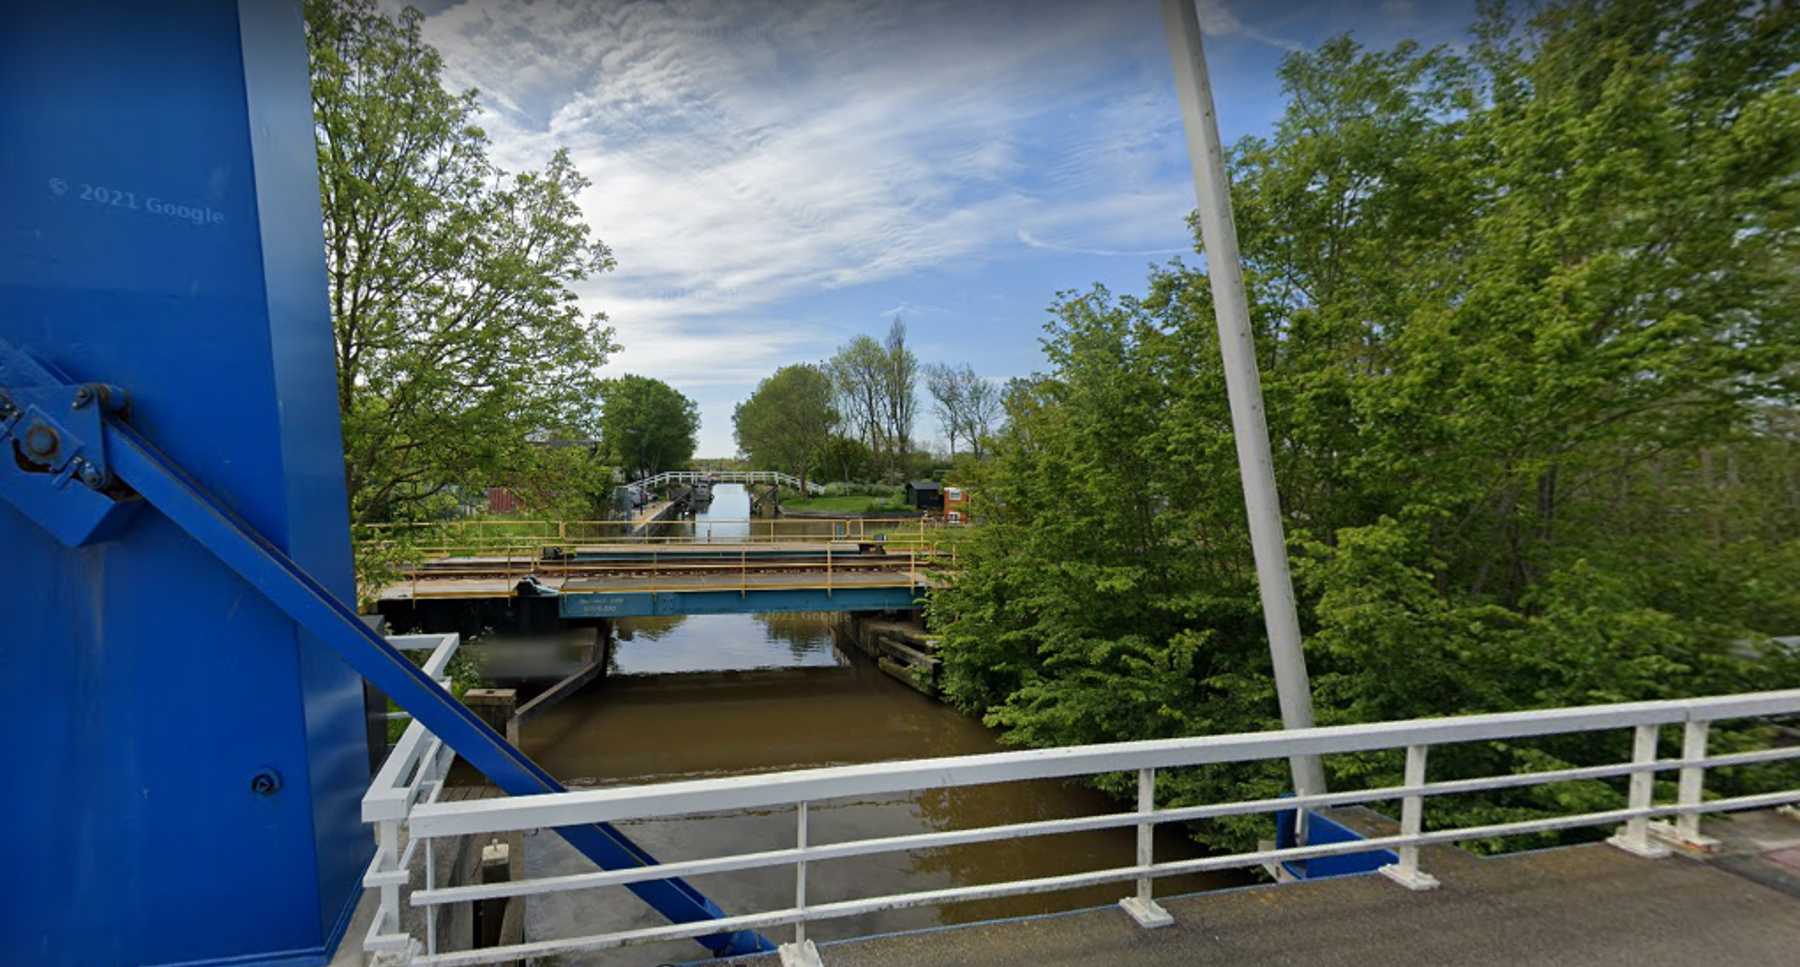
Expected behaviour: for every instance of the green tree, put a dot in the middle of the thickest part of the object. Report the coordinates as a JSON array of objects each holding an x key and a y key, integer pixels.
[
  {"x": 787, "y": 421},
  {"x": 899, "y": 390},
  {"x": 877, "y": 386},
  {"x": 1525, "y": 321},
  {"x": 967, "y": 406},
  {"x": 857, "y": 374},
  {"x": 458, "y": 332},
  {"x": 563, "y": 477},
  {"x": 648, "y": 424},
  {"x": 845, "y": 458}
]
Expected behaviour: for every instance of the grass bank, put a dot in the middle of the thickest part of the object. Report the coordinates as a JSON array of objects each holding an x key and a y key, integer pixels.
[{"x": 849, "y": 504}]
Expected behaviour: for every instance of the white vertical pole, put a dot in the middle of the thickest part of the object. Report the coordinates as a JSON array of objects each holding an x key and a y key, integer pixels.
[
  {"x": 1412, "y": 823},
  {"x": 1218, "y": 231},
  {"x": 431, "y": 912},
  {"x": 1634, "y": 837},
  {"x": 800, "y": 841},
  {"x": 1692, "y": 788},
  {"x": 1143, "y": 906},
  {"x": 1146, "y": 832},
  {"x": 389, "y": 847}
]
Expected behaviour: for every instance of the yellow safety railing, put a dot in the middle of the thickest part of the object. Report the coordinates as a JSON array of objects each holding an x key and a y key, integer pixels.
[
  {"x": 481, "y": 538},
  {"x": 508, "y": 560}
]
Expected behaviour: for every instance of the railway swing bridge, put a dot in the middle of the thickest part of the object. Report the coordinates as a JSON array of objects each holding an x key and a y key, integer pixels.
[{"x": 861, "y": 565}]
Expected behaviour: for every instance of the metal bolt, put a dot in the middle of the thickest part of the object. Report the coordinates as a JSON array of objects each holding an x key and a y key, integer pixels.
[
  {"x": 266, "y": 782},
  {"x": 83, "y": 396},
  {"x": 41, "y": 441},
  {"x": 91, "y": 475}
]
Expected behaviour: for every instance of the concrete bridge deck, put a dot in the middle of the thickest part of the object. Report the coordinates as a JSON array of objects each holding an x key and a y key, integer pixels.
[{"x": 1584, "y": 906}]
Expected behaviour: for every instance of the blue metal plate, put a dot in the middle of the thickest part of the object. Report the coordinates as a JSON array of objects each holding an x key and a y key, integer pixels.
[{"x": 160, "y": 230}]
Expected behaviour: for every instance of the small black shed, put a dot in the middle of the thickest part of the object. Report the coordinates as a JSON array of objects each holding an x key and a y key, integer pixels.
[{"x": 925, "y": 495}]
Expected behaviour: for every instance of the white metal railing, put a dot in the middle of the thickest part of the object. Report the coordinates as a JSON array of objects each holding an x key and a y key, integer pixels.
[
  {"x": 413, "y": 774},
  {"x": 722, "y": 476},
  {"x": 798, "y": 789}
]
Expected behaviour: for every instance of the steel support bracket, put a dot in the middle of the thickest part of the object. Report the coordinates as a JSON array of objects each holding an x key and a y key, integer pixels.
[{"x": 58, "y": 474}]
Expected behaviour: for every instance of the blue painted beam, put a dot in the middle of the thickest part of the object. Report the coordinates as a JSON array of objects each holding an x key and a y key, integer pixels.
[
  {"x": 642, "y": 604},
  {"x": 183, "y": 501}
]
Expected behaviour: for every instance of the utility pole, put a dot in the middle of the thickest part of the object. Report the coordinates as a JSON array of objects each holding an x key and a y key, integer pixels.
[{"x": 1218, "y": 232}]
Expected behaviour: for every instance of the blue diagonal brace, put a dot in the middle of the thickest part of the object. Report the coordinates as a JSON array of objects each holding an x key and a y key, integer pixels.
[{"x": 189, "y": 506}]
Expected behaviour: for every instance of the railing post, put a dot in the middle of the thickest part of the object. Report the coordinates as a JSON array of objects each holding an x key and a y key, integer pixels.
[
  {"x": 802, "y": 952},
  {"x": 1143, "y": 907},
  {"x": 1412, "y": 823},
  {"x": 431, "y": 883},
  {"x": 389, "y": 831},
  {"x": 800, "y": 874},
  {"x": 1685, "y": 833},
  {"x": 1634, "y": 836},
  {"x": 387, "y": 912}
]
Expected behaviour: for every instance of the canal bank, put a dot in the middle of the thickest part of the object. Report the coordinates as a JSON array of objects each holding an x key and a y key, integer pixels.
[{"x": 898, "y": 644}]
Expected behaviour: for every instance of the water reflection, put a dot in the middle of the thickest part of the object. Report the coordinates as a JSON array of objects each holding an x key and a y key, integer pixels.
[{"x": 719, "y": 643}]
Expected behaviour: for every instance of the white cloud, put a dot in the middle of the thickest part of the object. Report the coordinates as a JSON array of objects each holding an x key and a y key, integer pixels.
[
  {"x": 908, "y": 310},
  {"x": 745, "y": 155},
  {"x": 1035, "y": 242},
  {"x": 1404, "y": 10},
  {"x": 1217, "y": 19}
]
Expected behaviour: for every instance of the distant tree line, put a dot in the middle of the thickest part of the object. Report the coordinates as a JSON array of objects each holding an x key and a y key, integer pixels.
[{"x": 854, "y": 416}]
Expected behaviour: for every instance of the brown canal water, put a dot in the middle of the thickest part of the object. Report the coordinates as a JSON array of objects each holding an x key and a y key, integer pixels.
[{"x": 729, "y": 695}]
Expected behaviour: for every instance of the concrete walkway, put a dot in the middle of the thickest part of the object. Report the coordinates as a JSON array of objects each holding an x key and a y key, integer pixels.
[{"x": 1586, "y": 906}]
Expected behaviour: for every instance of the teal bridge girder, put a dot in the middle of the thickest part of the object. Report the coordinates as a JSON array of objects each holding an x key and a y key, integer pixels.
[
  {"x": 641, "y": 604},
  {"x": 623, "y": 581}
]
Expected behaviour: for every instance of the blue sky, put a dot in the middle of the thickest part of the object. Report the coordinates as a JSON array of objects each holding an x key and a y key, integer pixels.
[{"x": 776, "y": 177}]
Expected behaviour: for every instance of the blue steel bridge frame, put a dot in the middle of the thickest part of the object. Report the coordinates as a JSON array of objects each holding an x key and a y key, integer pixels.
[{"x": 174, "y": 537}]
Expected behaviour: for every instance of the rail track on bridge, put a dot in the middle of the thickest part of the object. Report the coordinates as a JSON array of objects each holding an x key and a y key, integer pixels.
[{"x": 684, "y": 578}]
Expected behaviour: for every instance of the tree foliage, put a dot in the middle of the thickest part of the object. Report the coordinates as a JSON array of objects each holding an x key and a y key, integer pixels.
[
  {"x": 900, "y": 389},
  {"x": 1526, "y": 320},
  {"x": 788, "y": 421},
  {"x": 457, "y": 329},
  {"x": 967, "y": 406},
  {"x": 647, "y": 424},
  {"x": 877, "y": 387}
]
